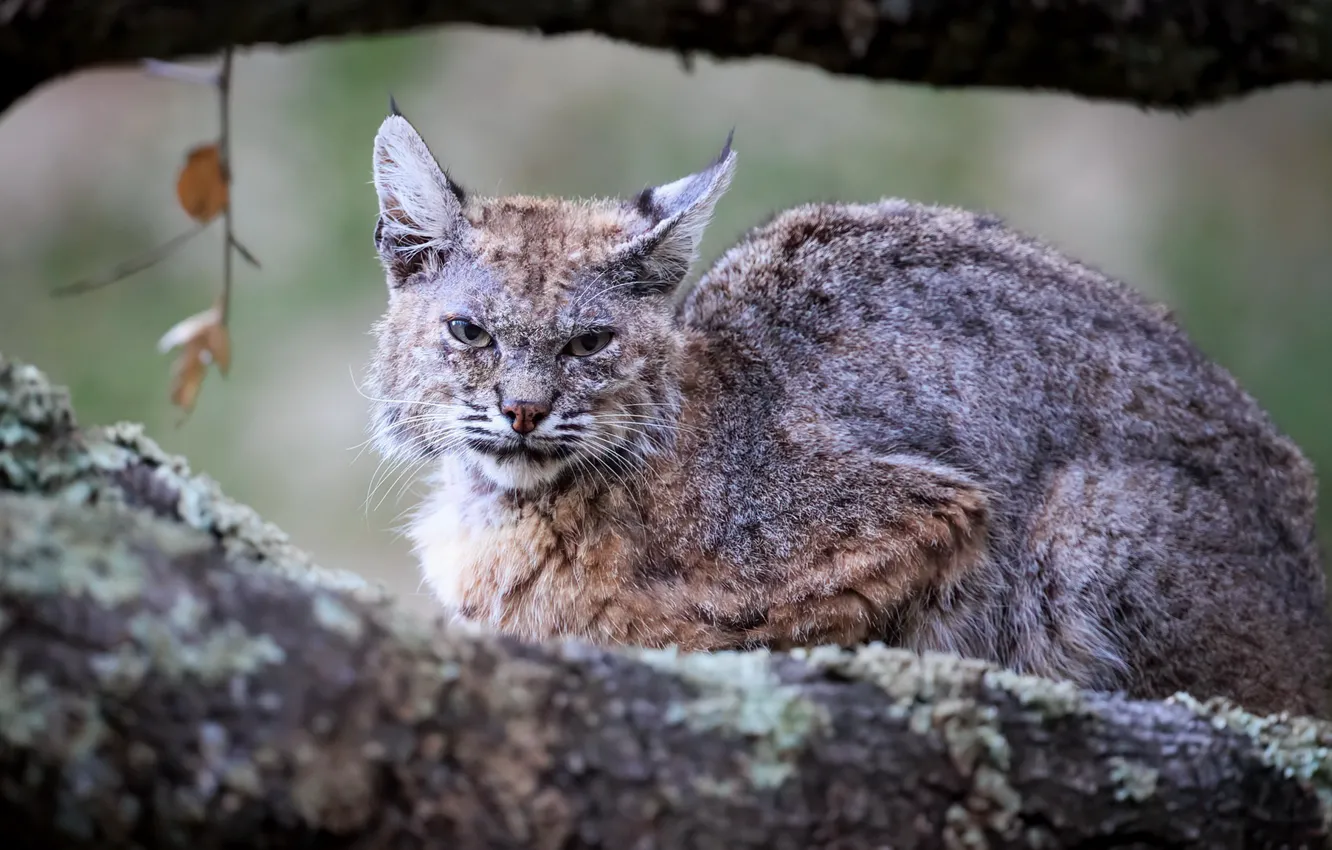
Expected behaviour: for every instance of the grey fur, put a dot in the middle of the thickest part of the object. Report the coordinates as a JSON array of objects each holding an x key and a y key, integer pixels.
[{"x": 884, "y": 421}]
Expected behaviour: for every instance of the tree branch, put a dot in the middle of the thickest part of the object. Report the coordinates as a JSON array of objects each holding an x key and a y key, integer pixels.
[
  {"x": 173, "y": 673},
  {"x": 1154, "y": 53}
]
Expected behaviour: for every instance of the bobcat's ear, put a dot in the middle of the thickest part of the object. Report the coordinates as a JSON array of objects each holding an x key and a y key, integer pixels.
[
  {"x": 420, "y": 207},
  {"x": 677, "y": 214}
]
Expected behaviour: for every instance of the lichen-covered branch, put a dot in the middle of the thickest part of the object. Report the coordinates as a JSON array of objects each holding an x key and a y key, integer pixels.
[
  {"x": 1150, "y": 52},
  {"x": 174, "y": 674}
]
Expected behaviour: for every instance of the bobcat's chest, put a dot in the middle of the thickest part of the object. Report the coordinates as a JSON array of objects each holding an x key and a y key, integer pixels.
[{"x": 517, "y": 569}]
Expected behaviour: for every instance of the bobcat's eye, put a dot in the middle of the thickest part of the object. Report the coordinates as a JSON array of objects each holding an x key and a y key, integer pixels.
[
  {"x": 588, "y": 343},
  {"x": 469, "y": 334}
]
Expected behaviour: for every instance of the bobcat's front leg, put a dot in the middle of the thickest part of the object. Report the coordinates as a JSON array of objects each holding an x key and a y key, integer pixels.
[
  {"x": 902, "y": 527},
  {"x": 913, "y": 529}
]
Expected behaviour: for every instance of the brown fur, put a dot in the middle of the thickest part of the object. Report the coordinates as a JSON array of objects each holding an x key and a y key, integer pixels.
[{"x": 867, "y": 422}]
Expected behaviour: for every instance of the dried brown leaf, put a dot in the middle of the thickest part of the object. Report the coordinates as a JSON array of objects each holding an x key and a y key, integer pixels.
[
  {"x": 218, "y": 343},
  {"x": 202, "y": 185},
  {"x": 188, "y": 329},
  {"x": 187, "y": 376},
  {"x": 203, "y": 340}
]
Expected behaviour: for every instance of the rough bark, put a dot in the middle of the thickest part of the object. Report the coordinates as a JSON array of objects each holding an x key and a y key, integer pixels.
[
  {"x": 1155, "y": 53},
  {"x": 173, "y": 673}
]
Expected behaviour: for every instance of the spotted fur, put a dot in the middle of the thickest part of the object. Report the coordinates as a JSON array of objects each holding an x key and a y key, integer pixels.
[{"x": 882, "y": 421}]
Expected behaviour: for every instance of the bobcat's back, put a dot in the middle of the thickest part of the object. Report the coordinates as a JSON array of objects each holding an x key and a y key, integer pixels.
[{"x": 1149, "y": 527}]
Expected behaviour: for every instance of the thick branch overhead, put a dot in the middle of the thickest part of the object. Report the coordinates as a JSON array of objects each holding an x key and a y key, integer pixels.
[
  {"x": 173, "y": 673},
  {"x": 1154, "y": 53}
]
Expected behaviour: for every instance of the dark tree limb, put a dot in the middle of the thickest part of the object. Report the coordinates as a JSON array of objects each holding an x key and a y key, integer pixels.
[
  {"x": 174, "y": 674},
  {"x": 1156, "y": 53},
  {"x": 153, "y": 692}
]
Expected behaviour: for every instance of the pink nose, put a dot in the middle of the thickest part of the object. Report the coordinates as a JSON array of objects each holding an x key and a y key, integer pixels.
[{"x": 525, "y": 415}]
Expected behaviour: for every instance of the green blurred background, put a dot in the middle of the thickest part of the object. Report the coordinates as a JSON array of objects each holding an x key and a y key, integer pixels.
[{"x": 1224, "y": 215}]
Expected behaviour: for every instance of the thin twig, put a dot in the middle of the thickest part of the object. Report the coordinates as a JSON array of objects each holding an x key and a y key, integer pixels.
[
  {"x": 245, "y": 253},
  {"x": 221, "y": 80},
  {"x": 131, "y": 266},
  {"x": 224, "y": 150}
]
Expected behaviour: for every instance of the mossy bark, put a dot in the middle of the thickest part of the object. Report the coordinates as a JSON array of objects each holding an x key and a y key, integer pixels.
[
  {"x": 174, "y": 674},
  {"x": 1152, "y": 52}
]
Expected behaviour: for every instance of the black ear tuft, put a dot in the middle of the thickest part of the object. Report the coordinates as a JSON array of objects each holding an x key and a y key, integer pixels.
[
  {"x": 644, "y": 206},
  {"x": 675, "y": 215},
  {"x": 454, "y": 186},
  {"x": 458, "y": 191},
  {"x": 726, "y": 150}
]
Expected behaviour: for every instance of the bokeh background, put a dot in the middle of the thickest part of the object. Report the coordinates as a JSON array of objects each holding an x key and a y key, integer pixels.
[{"x": 1225, "y": 215}]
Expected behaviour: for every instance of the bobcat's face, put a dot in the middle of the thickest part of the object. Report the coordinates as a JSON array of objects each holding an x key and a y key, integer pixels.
[
  {"x": 526, "y": 349},
  {"x": 532, "y": 338}
]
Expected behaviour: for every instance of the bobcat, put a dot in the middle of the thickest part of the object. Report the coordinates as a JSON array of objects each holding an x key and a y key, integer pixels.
[{"x": 866, "y": 422}]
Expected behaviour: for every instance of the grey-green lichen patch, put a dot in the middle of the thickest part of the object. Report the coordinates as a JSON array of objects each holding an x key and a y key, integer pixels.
[
  {"x": 1298, "y": 747},
  {"x": 220, "y": 769},
  {"x": 336, "y": 617},
  {"x": 1133, "y": 780},
  {"x": 39, "y": 445},
  {"x": 24, "y": 701},
  {"x": 27, "y": 399},
  {"x": 243, "y": 776},
  {"x": 905, "y": 676},
  {"x": 110, "y": 456},
  {"x": 120, "y": 672},
  {"x": 187, "y": 613},
  {"x": 42, "y": 452},
  {"x": 42, "y": 558},
  {"x": 739, "y": 693},
  {"x": 110, "y": 580},
  {"x": 979, "y": 751},
  {"x": 721, "y": 789},
  {"x": 936, "y": 694},
  {"x": 970, "y": 732},
  {"x": 56, "y": 550},
  {"x": 201, "y": 504},
  {"x": 213, "y": 656},
  {"x": 940, "y": 694},
  {"x": 1053, "y": 698},
  {"x": 34, "y": 714},
  {"x": 961, "y": 831},
  {"x": 908, "y": 677}
]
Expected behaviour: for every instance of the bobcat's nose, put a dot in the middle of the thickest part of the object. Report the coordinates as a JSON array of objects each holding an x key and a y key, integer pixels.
[{"x": 524, "y": 415}]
